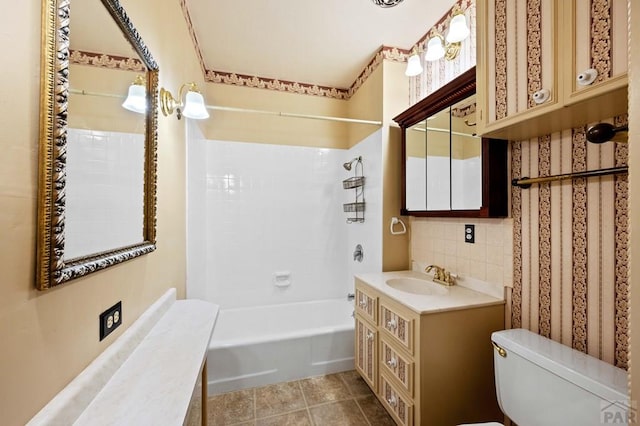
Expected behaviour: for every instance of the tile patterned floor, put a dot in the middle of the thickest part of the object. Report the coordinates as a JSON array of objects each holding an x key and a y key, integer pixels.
[{"x": 341, "y": 399}]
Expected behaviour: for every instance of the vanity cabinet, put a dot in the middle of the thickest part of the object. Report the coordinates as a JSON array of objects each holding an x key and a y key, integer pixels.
[
  {"x": 534, "y": 62},
  {"x": 366, "y": 351},
  {"x": 432, "y": 368}
]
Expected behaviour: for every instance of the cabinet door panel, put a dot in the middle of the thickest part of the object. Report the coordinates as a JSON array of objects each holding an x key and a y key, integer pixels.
[
  {"x": 596, "y": 33},
  {"x": 366, "y": 352},
  {"x": 398, "y": 325},
  {"x": 519, "y": 56},
  {"x": 397, "y": 365},
  {"x": 367, "y": 305},
  {"x": 400, "y": 407}
]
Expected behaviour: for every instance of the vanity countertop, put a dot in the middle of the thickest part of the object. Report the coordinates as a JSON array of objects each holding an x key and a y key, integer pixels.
[
  {"x": 454, "y": 297},
  {"x": 154, "y": 385}
]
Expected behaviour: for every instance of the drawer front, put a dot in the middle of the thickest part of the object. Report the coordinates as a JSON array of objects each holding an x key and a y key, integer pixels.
[
  {"x": 401, "y": 408},
  {"x": 399, "y": 326},
  {"x": 397, "y": 366},
  {"x": 366, "y": 305},
  {"x": 366, "y": 354}
]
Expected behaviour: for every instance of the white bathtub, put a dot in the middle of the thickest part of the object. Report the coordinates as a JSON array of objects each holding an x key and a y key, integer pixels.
[{"x": 263, "y": 345}]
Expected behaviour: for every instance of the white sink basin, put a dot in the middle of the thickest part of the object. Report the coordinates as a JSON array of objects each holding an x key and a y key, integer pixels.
[{"x": 417, "y": 286}]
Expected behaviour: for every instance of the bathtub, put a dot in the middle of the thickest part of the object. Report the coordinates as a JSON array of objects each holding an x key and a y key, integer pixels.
[{"x": 263, "y": 345}]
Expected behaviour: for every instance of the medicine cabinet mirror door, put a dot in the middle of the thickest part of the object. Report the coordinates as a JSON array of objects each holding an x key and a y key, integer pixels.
[
  {"x": 448, "y": 170},
  {"x": 97, "y": 160}
]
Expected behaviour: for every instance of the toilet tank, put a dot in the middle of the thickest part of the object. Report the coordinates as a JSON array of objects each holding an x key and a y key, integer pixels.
[{"x": 542, "y": 382}]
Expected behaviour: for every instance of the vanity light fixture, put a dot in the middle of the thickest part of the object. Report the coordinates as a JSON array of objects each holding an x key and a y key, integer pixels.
[
  {"x": 414, "y": 67},
  {"x": 192, "y": 107},
  {"x": 449, "y": 47},
  {"x": 137, "y": 98}
]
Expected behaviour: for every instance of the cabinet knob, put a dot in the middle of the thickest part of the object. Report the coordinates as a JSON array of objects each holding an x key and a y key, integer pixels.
[
  {"x": 392, "y": 401},
  {"x": 541, "y": 96},
  {"x": 393, "y": 363},
  {"x": 392, "y": 324},
  {"x": 363, "y": 304},
  {"x": 369, "y": 336},
  {"x": 587, "y": 77}
]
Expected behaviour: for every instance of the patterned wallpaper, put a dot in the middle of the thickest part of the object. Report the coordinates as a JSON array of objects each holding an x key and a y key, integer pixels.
[
  {"x": 570, "y": 244},
  {"x": 570, "y": 237},
  {"x": 104, "y": 60}
]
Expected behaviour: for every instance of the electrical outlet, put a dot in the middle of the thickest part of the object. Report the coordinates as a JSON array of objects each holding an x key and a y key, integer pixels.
[
  {"x": 469, "y": 234},
  {"x": 110, "y": 320}
]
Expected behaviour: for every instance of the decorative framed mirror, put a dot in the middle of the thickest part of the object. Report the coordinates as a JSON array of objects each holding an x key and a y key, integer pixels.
[
  {"x": 97, "y": 157},
  {"x": 449, "y": 171}
]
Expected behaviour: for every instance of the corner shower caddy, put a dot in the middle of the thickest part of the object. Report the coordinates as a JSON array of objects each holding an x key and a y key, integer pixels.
[{"x": 357, "y": 184}]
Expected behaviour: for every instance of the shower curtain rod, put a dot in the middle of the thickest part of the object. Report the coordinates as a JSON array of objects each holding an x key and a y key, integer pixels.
[
  {"x": 252, "y": 111},
  {"x": 293, "y": 115},
  {"x": 437, "y": 129},
  {"x": 526, "y": 182},
  {"x": 87, "y": 93}
]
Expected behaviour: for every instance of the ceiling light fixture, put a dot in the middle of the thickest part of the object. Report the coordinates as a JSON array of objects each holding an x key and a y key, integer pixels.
[
  {"x": 386, "y": 3},
  {"x": 137, "y": 98},
  {"x": 449, "y": 46},
  {"x": 192, "y": 107}
]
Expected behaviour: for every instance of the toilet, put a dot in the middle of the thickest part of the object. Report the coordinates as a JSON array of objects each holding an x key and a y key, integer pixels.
[{"x": 542, "y": 382}]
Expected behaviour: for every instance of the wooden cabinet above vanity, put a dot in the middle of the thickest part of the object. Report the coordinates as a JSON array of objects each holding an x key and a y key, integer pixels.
[
  {"x": 549, "y": 65},
  {"x": 448, "y": 171}
]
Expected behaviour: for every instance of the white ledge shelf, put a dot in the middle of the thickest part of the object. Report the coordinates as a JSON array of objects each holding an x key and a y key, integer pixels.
[{"x": 147, "y": 376}]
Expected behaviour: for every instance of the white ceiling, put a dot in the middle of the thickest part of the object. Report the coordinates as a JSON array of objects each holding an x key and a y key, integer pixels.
[{"x": 323, "y": 42}]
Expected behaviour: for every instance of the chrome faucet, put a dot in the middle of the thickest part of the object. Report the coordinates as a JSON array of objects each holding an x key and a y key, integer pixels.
[{"x": 441, "y": 275}]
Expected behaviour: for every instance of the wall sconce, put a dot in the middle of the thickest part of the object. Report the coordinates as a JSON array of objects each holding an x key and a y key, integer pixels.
[
  {"x": 192, "y": 107},
  {"x": 449, "y": 47},
  {"x": 414, "y": 67},
  {"x": 137, "y": 98}
]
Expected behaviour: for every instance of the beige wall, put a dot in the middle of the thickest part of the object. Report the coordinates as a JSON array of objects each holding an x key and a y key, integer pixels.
[
  {"x": 366, "y": 104},
  {"x": 395, "y": 248},
  {"x": 49, "y": 337},
  {"x": 101, "y": 112},
  {"x": 634, "y": 203},
  {"x": 274, "y": 129}
]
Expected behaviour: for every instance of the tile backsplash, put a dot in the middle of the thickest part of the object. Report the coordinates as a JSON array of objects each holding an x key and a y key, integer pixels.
[{"x": 441, "y": 241}]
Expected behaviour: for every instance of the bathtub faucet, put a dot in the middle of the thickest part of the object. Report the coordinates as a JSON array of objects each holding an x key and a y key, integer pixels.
[{"x": 358, "y": 254}]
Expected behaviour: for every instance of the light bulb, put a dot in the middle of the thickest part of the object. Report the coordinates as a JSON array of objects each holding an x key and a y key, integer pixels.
[
  {"x": 136, "y": 99},
  {"x": 194, "y": 106},
  {"x": 458, "y": 29},
  {"x": 435, "y": 49},
  {"x": 414, "y": 67}
]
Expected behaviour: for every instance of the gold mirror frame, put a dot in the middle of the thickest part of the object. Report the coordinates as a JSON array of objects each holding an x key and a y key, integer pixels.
[{"x": 52, "y": 269}]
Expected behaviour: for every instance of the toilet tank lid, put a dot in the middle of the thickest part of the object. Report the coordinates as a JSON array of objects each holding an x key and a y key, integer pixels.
[{"x": 591, "y": 374}]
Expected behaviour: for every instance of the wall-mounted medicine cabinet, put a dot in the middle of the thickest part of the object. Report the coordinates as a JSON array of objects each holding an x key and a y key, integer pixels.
[{"x": 448, "y": 171}]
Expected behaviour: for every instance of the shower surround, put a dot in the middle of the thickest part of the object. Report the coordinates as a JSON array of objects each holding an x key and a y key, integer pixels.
[{"x": 266, "y": 228}]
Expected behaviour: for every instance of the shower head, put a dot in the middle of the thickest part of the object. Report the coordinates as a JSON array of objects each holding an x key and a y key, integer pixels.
[{"x": 348, "y": 164}]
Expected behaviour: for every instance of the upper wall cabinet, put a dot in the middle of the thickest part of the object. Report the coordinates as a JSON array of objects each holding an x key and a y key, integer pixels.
[{"x": 548, "y": 65}]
